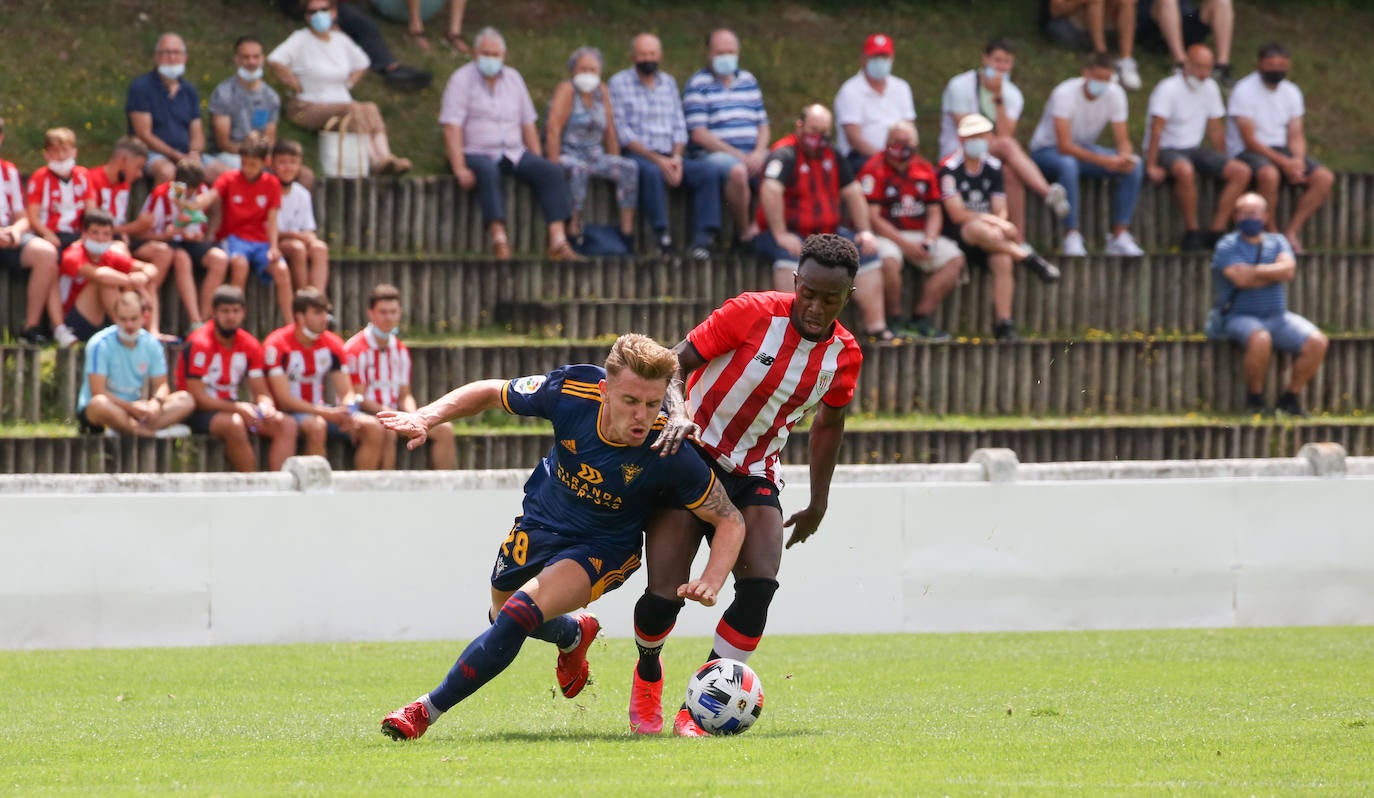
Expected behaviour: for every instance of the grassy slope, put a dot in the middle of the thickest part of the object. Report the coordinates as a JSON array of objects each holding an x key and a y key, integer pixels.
[
  {"x": 1234, "y": 712},
  {"x": 72, "y": 64}
]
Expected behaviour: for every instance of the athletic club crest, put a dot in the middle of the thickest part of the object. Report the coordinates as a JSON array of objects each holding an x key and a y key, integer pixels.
[{"x": 823, "y": 380}]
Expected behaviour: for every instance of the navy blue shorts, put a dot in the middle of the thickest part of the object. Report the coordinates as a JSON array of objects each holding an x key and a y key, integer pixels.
[{"x": 527, "y": 550}]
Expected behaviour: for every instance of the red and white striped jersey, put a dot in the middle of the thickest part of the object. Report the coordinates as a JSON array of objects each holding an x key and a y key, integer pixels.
[
  {"x": 11, "y": 194},
  {"x": 159, "y": 204},
  {"x": 109, "y": 196},
  {"x": 379, "y": 371},
  {"x": 761, "y": 377},
  {"x": 70, "y": 283},
  {"x": 221, "y": 368},
  {"x": 61, "y": 203},
  {"x": 305, "y": 367}
]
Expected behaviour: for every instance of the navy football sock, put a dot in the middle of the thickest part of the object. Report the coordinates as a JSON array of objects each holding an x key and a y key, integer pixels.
[
  {"x": 490, "y": 653},
  {"x": 655, "y": 617},
  {"x": 562, "y": 631}
]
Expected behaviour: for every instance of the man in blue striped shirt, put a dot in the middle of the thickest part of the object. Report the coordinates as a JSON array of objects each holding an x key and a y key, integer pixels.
[
  {"x": 728, "y": 125},
  {"x": 1250, "y": 270},
  {"x": 649, "y": 122}
]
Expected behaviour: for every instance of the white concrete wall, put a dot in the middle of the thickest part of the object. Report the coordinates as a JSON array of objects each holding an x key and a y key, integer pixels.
[{"x": 272, "y": 565}]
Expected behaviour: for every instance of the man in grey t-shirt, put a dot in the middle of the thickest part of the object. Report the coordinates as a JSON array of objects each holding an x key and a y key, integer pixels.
[{"x": 239, "y": 105}]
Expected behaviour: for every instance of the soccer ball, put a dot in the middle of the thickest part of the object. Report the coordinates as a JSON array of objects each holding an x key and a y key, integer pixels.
[{"x": 725, "y": 696}]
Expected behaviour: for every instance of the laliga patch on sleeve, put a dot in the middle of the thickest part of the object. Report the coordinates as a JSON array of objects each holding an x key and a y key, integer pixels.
[
  {"x": 866, "y": 183},
  {"x": 773, "y": 170},
  {"x": 199, "y": 359},
  {"x": 527, "y": 385}
]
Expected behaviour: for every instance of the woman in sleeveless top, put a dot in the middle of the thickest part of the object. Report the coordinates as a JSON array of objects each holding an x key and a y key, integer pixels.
[{"x": 580, "y": 135}]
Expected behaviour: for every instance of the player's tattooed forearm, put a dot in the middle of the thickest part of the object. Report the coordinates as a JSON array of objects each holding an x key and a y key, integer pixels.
[{"x": 718, "y": 504}]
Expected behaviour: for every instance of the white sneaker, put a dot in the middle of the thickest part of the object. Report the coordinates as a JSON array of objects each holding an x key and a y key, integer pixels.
[
  {"x": 173, "y": 431},
  {"x": 64, "y": 336},
  {"x": 1123, "y": 244},
  {"x": 1057, "y": 198},
  {"x": 1130, "y": 73},
  {"x": 1073, "y": 245}
]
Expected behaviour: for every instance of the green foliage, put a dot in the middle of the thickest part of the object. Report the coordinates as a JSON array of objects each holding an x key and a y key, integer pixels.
[
  {"x": 74, "y": 62},
  {"x": 1234, "y": 712}
]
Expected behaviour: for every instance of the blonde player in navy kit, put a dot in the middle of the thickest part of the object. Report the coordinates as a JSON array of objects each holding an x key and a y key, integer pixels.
[{"x": 585, "y": 509}]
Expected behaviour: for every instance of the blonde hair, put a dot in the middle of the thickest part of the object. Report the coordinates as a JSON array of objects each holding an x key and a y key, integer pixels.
[
  {"x": 57, "y": 136},
  {"x": 642, "y": 355}
]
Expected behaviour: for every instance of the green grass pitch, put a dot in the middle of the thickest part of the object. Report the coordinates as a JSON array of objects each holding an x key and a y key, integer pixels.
[{"x": 1195, "y": 712}]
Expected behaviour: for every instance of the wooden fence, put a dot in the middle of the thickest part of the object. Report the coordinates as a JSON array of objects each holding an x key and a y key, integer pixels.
[
  {"x": 100, "y": 455},
  {"x": 1157, "y": 293},
  {"x": 432, "y": 215}
]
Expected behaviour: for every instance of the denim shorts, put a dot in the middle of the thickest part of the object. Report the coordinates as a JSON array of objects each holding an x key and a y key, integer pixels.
[{"x": 1288, "y": 330}]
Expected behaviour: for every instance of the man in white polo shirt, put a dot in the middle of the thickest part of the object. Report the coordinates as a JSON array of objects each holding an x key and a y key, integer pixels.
[
  {"x": 870, "y": 103},
  {"x": 1185, "y": 107},
  {"x": 1265, "y": 131},
  {"x": 1065, "y": 148}
]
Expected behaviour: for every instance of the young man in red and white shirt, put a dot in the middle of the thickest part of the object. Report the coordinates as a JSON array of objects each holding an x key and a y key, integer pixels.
[
  {"x": 379, "y": 364},
  {"x": 21, "y": 249},
  {"x": 58, "y": 192},
  {"x": 249, "y": 199},
  {"x": 110, "y": 183},
  {"x": 95, "y": 272},
  {"x": 756, "y": 367},
  {"x": 165, "y": 216},
  {"x": 298, "y": 358},
  {"x": 217, "y": 359}
]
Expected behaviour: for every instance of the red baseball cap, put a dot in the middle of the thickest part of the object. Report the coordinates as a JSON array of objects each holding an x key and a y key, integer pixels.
[{"x": 877, "y": 44}]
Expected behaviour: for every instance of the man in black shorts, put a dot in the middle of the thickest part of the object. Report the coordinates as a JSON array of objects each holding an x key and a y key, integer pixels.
[
  {"x": 975, "y": 201},
  {"x": 1184, "y": 109}
]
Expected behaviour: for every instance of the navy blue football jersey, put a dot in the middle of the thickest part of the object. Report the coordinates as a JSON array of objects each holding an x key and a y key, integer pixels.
[{"x": 587, "y": 487}]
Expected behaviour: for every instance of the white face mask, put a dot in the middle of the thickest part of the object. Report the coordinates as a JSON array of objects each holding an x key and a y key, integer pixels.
[
  {"x": 307, "y": 333},
  {"x": 96, "y": 248},
  {"x": 250, "y": 75},
  {"x": 1193, "y": 83},
  {"x": 171, "y": 71},
  {"x": 127, "y": 337},
  {"x": 586, "y": 82},
  {"x": 63, "y": 167}
]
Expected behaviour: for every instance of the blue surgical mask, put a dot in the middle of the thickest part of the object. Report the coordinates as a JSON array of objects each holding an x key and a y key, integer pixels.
[
  {"x": 489, "y": 65},
  {"x": 171, "y": 71},
  {"x": 381, "y": 334},
  {"x": 976, "y": 148},
  {"x": 878, "y": 68},
  {"x": 725, "y": 64},
  {"x": 96, "y": 248},
  {"x": 321, "y": 21},
  {"x": 250, "y": 75},
  {"x": 1250, "y": 227},
  {"x": 1096, "y": 88},
  {"x": 991, "y": 72}
]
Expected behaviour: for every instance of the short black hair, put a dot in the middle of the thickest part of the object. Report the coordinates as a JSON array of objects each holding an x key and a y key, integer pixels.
[
  {"x": 242, "y": 40},
  {"x": 96, "y": 217},
  {"x": 1100, "y": 61},
  {"x": 831, "y": 251},
  {"x": 288, "y": 147},
  {"x": 190, "y": 172},
  {"x": 1270, "y": 49},
  {"x": 999, "y": 43},
  {"x": 228, "y": 295}
]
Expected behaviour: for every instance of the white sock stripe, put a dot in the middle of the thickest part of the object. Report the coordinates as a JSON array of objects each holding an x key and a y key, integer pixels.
[{"x": 724, "y": 649}]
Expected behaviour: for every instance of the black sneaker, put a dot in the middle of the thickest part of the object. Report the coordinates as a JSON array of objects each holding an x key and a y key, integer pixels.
[
  {"x": 1222, "y": 74},
  {"x": 35, "y": 336},
  {"x": 1254, "y": 406},
  {"x": 1213, "y": 236},
  {"x": 407, "y": 78},
  {"x": 921, "y": 329},
  {"x": 1046, "y": 271},
  {"x": 1193, "y": 240},
  {"x": 1288, "y": 405},
  {"x": 1005, "y": 330}
]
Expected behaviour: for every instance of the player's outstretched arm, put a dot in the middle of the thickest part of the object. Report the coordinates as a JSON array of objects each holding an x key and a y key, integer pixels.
[
  {"x": 827, "y": 433},
  {"x": 721, "y": 513},
  {"x": 467, "y": 400},
  {"x": 680, "y": 426}
]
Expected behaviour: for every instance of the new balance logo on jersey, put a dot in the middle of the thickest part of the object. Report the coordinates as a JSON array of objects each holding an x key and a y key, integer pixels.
[
  {"x": 570, "y": 445},
  {"x": 764, "y": 358}
]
